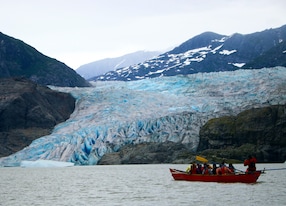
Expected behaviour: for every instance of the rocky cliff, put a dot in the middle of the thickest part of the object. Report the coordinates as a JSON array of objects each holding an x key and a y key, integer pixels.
[
  {"x": 29, "y": 111},
  {"x": 148, "y": 153},
  {"x": 261, "y": 132}
]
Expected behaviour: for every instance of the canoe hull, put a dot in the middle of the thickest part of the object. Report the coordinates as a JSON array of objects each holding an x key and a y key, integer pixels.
[{"x": 226, "y": 178}]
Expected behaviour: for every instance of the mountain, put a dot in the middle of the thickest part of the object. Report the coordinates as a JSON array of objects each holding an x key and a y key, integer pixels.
[
  {"x": 18, "y": 59},
  {"x": 209, "y": 52},
  {"x": 114, "y": 114},
  {"x": 276, "y": 56},
  {"x": 29, "y": 111},
  {"x": 105, "y": 65}
]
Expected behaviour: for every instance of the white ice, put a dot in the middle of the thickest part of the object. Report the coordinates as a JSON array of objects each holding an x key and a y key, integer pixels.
[{"x": 45, "y": 163}]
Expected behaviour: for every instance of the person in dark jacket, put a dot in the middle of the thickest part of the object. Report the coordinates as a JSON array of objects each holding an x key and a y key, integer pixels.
[
  {"x": 214, "y": 169},
  {"x": 199, "y": 169},
  {"x": 231, "y": 167}
]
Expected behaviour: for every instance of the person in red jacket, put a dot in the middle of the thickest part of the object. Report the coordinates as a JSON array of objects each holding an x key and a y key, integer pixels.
[
  {"x": 194, "y": 168},
  {"x": 250, "y": 162}
]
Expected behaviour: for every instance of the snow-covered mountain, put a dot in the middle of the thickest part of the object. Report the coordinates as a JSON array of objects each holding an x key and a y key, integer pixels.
[
  {"x": 207, "y": 52},
  {"x": 110, "y": 64},
  {"x": 113, "y": 114}
]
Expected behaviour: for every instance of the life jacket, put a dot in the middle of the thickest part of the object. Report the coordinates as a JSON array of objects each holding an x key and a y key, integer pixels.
[
  {"x": 206, "y": 171},
  {"x": 188, "y": 170},
  {"x": 218, "y": 171},
  {"x": 252, "y": 166},
  {"x": 193, "y": 169},
  {"x": 246, "y": 162},
  {"x": 225, "y": 170}
]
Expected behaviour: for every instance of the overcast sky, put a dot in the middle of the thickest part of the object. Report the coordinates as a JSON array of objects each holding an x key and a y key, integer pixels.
[{"x": 77, "y": 32}]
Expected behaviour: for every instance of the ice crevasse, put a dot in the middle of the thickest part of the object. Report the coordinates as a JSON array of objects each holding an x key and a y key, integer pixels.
[{"x": 110, "y": 115}]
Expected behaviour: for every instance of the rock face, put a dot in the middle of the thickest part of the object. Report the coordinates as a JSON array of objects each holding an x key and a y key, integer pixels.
[
  {"x": 29, "y": 111},
  {"x": 261, "y": 132},
  {"x": 274, "y": 56},
  {"x": 148, "y": 153},
  {"x": 18, "y": 59}
]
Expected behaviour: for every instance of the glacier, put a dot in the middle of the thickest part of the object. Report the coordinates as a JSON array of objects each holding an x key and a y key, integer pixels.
[{"x": 110, "y": 114}]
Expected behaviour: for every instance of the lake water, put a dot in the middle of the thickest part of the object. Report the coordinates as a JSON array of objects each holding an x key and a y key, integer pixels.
[{"x": 133, "y": 185}]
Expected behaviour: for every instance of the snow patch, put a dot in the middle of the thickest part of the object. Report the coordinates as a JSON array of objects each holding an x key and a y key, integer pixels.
[
  {"x": 120, "y": 63},
  {"x": 238, "y": 64},
  {"x": 220, "y": 40},
  {"x": 227, "y": 52},
  {"x": 216, "y": 49},
  {"x": 199, "y": 49}
]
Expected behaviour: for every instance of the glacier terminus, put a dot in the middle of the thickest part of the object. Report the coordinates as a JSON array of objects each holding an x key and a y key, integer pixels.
[{"x": 112, "y": 114}]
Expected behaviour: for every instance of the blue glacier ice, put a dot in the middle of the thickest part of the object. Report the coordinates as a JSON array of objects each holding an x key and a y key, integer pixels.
[{"x": 110, "y": 115}]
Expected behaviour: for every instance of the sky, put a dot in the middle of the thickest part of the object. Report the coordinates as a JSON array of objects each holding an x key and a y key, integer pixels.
[{"x": 78, "y": 32}]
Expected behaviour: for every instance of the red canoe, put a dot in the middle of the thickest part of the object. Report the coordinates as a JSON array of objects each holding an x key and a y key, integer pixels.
[{"x": 227, "y": 178}]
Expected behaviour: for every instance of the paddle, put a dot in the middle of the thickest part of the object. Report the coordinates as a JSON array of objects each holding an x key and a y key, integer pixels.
[
  {"x": 201, "y": 159},
  {"x": 275, "y": 169},
  {"x": 239, "y": 170}
]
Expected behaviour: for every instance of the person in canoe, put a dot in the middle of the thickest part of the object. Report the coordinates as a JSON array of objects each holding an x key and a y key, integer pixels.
[
  {"x": 207, "y": 169},
  {"x": 214, "y": 169},
  {"x": 231, "y": 167},
  {"x": 192, "y": 169},
  {"x": 199, "y": 169},
  {"x": 188, "y": 170},
  {"x": 250, "y": 162},
  {"x": 223, "y": 169}
]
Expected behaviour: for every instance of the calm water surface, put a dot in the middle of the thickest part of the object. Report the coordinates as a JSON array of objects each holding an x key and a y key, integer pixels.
[{"x": 133, "y": 185}]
